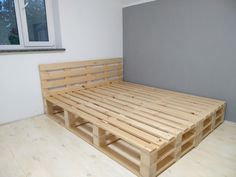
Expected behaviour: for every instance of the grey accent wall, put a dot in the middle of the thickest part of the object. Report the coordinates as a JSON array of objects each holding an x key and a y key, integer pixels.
[{"x": 183, "y": 45}]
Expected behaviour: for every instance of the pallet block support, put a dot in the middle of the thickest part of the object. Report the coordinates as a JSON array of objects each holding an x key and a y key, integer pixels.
[
  {"x": 49, "y": 108},
  {"x": 145, "y": 129},
  {"x": 69, "y": 119},
  {"x": 99, "y": 136},
  {"x": 148, "y": 165}
]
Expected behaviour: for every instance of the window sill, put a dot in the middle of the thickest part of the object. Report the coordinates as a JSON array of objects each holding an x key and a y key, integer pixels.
[{"x": 33, "y": 50}]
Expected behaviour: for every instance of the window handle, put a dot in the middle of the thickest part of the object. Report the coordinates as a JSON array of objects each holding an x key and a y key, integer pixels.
[{"x": 26, "y": 3}]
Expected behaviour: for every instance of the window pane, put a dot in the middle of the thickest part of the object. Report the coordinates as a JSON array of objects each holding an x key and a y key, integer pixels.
[
  {"x": 8, "y": 25},
  {"x": 36, "y": 20}
]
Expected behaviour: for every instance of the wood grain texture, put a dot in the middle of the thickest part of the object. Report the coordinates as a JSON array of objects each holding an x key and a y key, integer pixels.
[
  {"x": 150, "y": 128},
  {"x": 149, "y": 119},
  {"x": 80, "y": 74}
]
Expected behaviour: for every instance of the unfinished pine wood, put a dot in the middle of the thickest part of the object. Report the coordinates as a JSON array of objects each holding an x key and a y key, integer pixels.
[
  {"x": 143, "y": 128},
  {"x": 80, "y": 74}
]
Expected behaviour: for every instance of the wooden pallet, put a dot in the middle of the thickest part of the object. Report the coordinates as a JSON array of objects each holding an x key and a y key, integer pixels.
[
  {"x": 143, "y": 128},
  {"x": 211, "y": 111}
]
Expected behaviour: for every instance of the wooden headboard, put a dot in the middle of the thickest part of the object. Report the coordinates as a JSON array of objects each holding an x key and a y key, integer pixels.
[{"x": 80, "y": 74}]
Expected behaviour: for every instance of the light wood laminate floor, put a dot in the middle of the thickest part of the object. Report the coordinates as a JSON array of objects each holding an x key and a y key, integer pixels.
[{"x": 38, "y": 147}]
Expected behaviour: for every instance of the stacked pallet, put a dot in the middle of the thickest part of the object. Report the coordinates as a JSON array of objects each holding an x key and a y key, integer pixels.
[
  {"x": 210, "y": 111},
  {"x": 155, "y": 126},
  {"x": 145, "y": 129}
]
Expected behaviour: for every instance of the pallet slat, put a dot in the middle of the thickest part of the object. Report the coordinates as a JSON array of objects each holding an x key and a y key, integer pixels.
[
  {"x": 71, "y": 75},
  {"x": 113, "y": 121},
  {"x": 57, "y": 66},
  {"x": 143, "y": 128}
]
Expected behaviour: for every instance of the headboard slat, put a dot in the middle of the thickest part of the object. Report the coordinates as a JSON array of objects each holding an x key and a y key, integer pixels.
[
  {"x": 75, "y": 64},
  {"x": 80, "y": 74}
]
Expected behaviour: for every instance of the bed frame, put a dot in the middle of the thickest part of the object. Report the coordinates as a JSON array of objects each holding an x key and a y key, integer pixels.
[{"x": 143, "y": 128}]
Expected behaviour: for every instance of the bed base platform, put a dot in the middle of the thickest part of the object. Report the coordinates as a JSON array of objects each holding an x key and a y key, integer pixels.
[{"x": 145, "y": 129}]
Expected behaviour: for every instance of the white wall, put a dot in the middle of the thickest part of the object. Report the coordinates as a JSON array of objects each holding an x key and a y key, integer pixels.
[{"x": 90, "y": 29}]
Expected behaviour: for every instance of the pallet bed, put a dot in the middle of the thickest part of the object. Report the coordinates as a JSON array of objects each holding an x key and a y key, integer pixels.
[{"x": 143, "y": 128}]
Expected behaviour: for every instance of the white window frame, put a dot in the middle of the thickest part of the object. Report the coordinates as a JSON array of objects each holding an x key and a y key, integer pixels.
[
  {"x": 50, "y": 26},
  {"x": 23, "y": 28}
]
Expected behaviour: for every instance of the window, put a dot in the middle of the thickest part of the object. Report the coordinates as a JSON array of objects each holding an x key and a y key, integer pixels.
[
  {"x": 9, "y": 34},
  {"x": 26, "y": 23}
]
